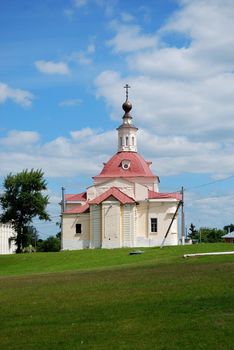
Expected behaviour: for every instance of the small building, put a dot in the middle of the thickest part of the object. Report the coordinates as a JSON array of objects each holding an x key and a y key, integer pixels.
[
  {"x": 7, "y": 245},
  {"x": 229, "y": 237},
  {"x": 123, "y": 207}
]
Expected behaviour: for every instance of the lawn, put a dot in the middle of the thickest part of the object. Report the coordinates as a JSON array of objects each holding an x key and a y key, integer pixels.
[{"x": 107, "y": 299}]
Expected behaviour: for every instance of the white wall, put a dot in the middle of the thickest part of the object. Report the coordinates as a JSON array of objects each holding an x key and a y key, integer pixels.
[
  {"x": 71, "y": 239},
  {"x": 163, "y": 211},
  {"x": 111, "y": 216},
  {"x": 6, "y": 246}
]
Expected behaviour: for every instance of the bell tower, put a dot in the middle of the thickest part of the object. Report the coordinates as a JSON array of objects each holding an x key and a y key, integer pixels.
[{"x": 127, "y": 132}]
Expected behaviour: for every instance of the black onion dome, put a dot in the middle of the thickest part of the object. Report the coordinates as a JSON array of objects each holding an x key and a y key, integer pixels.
[{"x": 127, "y": 106}]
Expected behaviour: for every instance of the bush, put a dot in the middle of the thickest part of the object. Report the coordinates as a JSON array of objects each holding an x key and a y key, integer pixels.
[{"x": 51, "y": 244}]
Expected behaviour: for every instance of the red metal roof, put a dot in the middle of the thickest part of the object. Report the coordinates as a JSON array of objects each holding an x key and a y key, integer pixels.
[
  {"x": 115, "y": 192},
  {"x": 79, "y": 209},
  {"x": 138, "y": 166},
  {"x": 76, "y": 197},
  {"x": 157, "y": 195}
]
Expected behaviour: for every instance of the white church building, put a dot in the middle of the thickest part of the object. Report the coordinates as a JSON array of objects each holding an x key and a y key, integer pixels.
[{"x": 123, "y": 207}]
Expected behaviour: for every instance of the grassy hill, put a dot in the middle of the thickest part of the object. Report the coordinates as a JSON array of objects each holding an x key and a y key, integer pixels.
[{"x": 107, "y": 299}]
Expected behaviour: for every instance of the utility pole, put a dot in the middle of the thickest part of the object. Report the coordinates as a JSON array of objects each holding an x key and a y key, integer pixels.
[
  {"x": 62, "y": 210},
  {"x": 63, "y": 200},
  {"x": 182, "y": 218}
]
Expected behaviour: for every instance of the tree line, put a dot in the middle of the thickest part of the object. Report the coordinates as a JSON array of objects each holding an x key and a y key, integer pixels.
[{"x": 207, "y": 234}]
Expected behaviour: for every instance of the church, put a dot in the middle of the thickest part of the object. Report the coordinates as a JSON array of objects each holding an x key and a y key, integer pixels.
[{"x": 123, "y": 207}]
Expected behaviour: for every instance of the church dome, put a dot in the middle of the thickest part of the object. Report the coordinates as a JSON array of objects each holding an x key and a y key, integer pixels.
[{"x": 126, "y": 164}]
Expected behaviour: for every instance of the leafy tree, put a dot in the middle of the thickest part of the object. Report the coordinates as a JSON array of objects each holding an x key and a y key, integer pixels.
[
  {"x": 211, "y": 235},
  {"x": 193, "y": 233},
  {"x": 22, "y": 201},
  {"x": 51, "y": 244}
]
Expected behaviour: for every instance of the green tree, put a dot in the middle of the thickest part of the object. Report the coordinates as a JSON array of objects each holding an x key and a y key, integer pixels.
[
  {"x": 22, "y": 201},
  {"x": 193, "y": 233},
  {"x": 211, "y": 235},
  {"x": 51, "y": 244}
]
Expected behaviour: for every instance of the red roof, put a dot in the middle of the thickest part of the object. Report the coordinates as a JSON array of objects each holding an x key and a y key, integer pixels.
[
  {"x": 78, "y": 209},
  {"x": 76, "y": 197},
  {"x": 157, "y": 195},
  {"x": 115, "y": 192},
  {"x": 138, "y": 166}
]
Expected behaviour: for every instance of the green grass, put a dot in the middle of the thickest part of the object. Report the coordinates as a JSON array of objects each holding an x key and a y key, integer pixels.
[
  {"x": 99, "y": 259},
  {"x": 107, "y": 299}
]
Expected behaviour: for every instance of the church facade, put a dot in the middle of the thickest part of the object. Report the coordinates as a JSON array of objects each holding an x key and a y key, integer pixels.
[{"x": 123, "y": 207}]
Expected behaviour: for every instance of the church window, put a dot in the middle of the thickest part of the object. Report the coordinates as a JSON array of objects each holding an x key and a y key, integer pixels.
[
  {"x": 78, "y": 228},
  {"x": 127, "y": 141},
  {"x": 154, "y": 224},
  {"x": 121, "y": 141},
  {"x": 133, "y": 141},
  {"x": 126, "y": 164}
]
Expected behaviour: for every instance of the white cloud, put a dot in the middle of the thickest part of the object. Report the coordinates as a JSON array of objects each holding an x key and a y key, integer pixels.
[
  {"x": 85, "y": 150},
  {"x": 83, "y": 133},
  {"x": 70, "y": 102},
  {"x": 204, "y": 211},
  {"x": 129, "y": 38},
  {"x": 184, "y": 90},
  {"x": 21, "y": 97},
  {"x": 49, "y": 67},
  {"x": 80, "y": 154},
  {"x": 19, "y": 138}
]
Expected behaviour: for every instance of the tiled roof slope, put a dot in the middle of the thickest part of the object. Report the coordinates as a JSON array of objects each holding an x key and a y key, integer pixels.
[
  {"x": 138, "y": 166},
  {"x": 115, "y": 192},
  {"x": 112, "y": 192},
  {"x": 76, "y": 197}
]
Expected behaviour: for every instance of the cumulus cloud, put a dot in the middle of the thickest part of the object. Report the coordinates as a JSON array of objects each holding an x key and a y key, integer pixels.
[
  {"x": 85, "y": 150},
  {"x": 21, "y": 97},
  {"x": 49, "y": 67},
  {"x": 184, "y": 89},
  {"x": 128, "y": 38},
  {"x": 19, "y": 138}
]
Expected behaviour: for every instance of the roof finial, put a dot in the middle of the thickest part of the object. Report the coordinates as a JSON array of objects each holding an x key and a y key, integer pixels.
[{"x": 127, "y": 87}]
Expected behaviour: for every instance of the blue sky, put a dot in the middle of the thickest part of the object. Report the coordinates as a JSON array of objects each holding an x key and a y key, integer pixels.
[{"x": 63, "y": 65}]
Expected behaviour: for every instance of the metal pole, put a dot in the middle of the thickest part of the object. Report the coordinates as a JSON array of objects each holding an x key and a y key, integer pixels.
[
  {"x": 182, "y": 217},
  {"x": 62, "y": 210},
  {"x": 63, "y": 200}
]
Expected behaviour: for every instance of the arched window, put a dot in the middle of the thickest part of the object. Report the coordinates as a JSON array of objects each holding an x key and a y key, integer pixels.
[
  {"x": 121, "y": 141},
  {"x": 133, "y": 141},
  {"x": 126, "y": 140}
]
